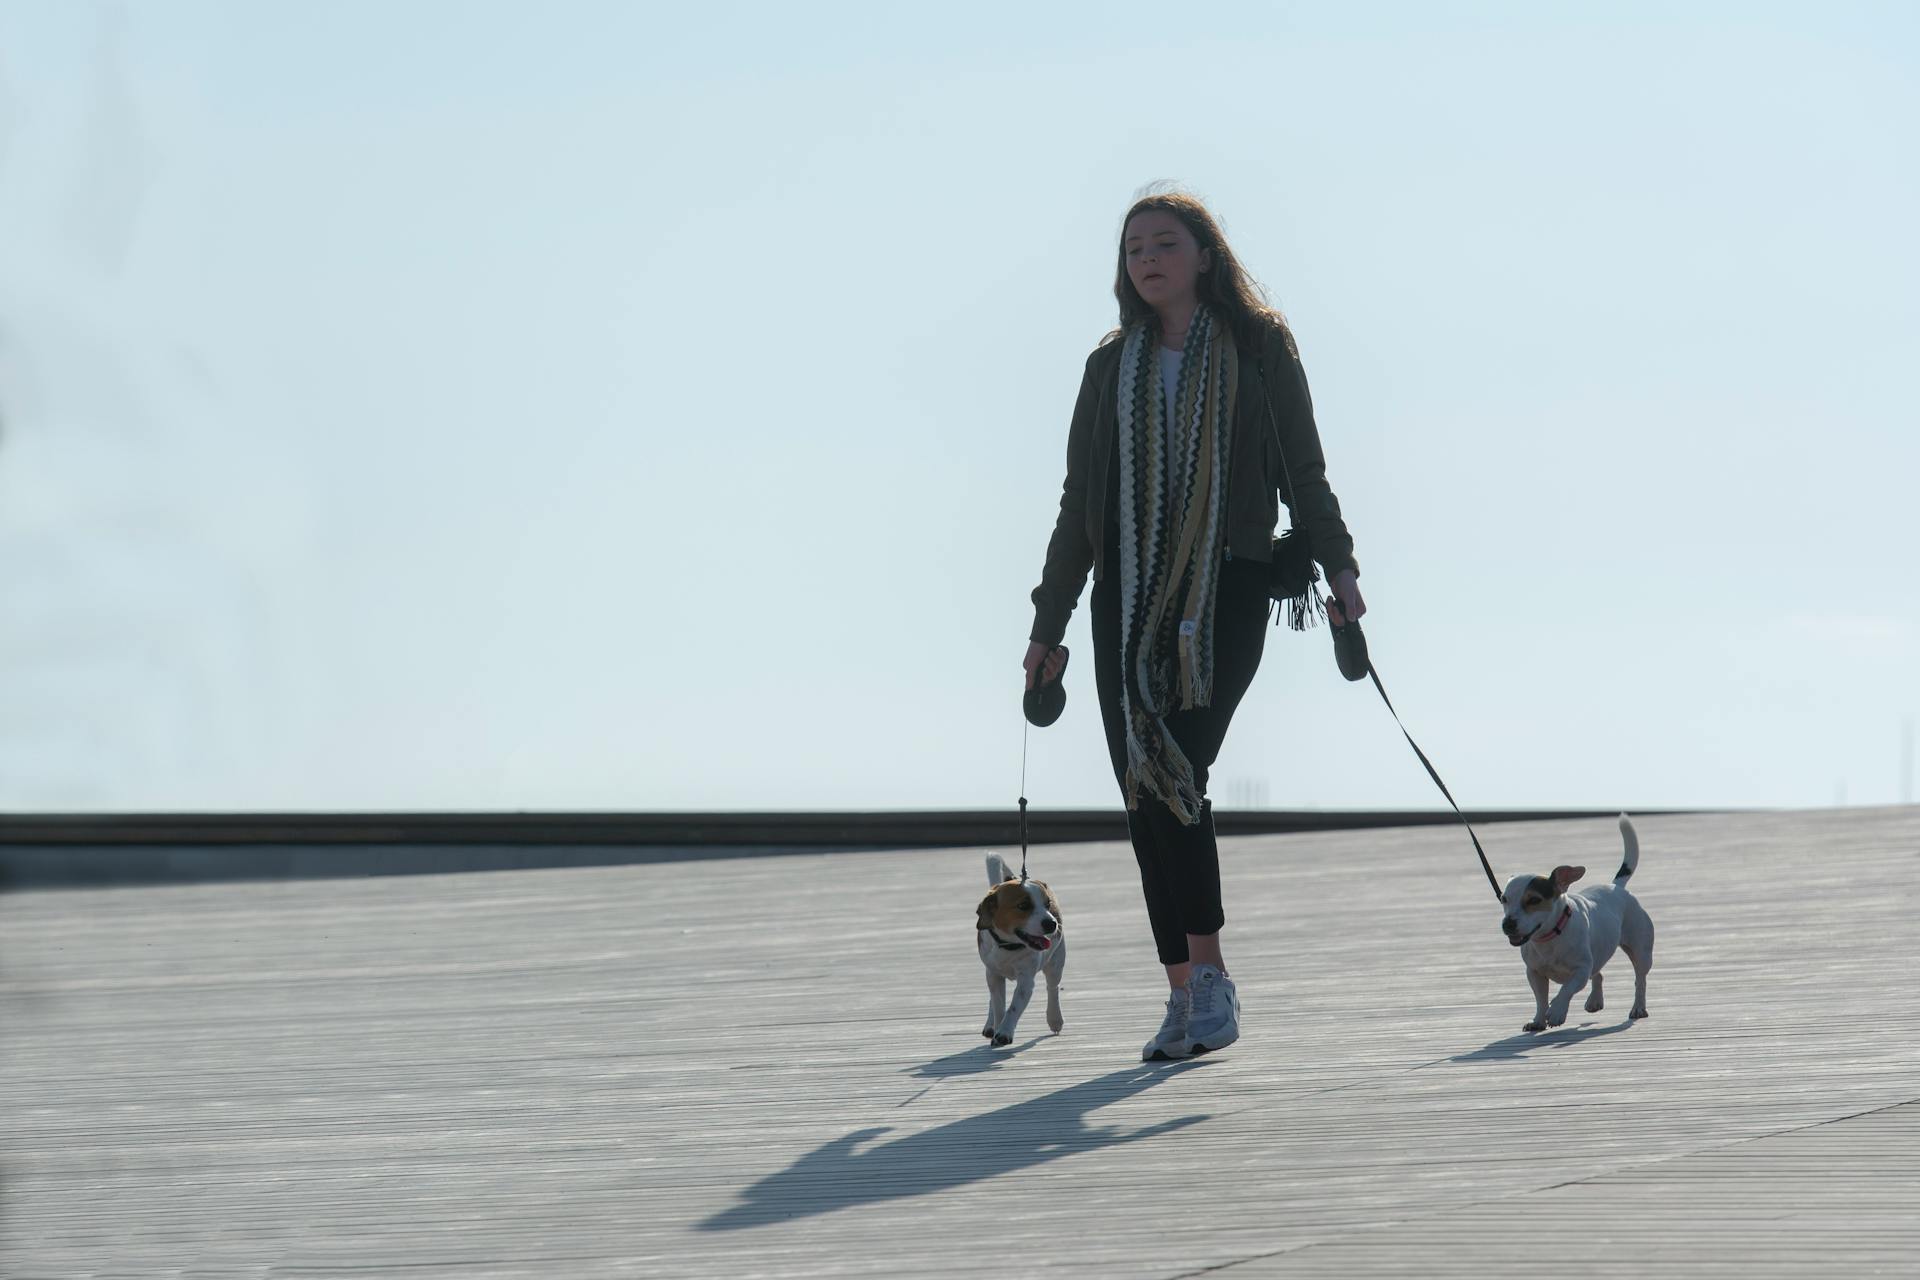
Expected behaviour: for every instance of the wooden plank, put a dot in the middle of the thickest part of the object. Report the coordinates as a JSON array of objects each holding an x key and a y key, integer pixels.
[{"x": 772, "y": 1067}]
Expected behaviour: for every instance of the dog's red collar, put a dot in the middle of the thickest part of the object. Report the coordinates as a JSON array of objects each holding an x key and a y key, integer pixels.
[{"x": 1566, "y": 913}]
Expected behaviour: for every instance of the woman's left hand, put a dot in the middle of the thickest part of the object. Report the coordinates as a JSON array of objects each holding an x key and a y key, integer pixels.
[{"x": 1346, "y": 595}]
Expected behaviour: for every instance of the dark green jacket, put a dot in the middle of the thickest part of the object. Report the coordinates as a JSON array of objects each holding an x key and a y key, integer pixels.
[{"x": 1255, "y": 483}]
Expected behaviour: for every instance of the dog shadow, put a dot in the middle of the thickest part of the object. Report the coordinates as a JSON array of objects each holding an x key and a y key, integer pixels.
[
  {"x": 1529, "y": 1041},
  {"x": 971, "y": 1062},
  {"x": 854, "y": 1170}
]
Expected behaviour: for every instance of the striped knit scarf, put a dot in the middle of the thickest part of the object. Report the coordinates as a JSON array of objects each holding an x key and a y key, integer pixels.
[{"x": 1173, "y": 495}]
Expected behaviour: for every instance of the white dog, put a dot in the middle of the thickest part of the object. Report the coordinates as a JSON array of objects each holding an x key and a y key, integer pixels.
[
  {"x": 1569, "y": 937},
  {"x": 1020, "y": 934}
]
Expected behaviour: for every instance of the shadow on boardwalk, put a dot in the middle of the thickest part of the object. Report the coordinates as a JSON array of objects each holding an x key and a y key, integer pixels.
[
  {"x": 847, "y": 1171},
  {"x": 1530, "y": 1042}
]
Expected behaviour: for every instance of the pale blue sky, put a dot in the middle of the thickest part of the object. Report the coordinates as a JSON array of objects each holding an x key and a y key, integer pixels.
[{"x": 631, "y": 407}]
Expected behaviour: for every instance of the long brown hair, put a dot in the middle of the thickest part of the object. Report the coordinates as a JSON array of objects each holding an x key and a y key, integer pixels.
[{"x": 1225, "y": 285}]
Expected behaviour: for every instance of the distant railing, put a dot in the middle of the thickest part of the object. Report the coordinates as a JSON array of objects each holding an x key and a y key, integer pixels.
[{"x": 67, "y": 850}]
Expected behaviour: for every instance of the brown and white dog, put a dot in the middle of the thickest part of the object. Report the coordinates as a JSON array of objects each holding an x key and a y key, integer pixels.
[
  {"x": 1020, "y": 935},
  {"x": 1569, "y": 937}
]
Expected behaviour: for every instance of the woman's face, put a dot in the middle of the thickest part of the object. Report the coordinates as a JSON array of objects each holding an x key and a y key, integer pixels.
[{"x": 1163, "y": 260}]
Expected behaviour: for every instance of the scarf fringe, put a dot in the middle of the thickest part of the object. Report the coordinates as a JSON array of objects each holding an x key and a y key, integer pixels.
[{"x": 1168, "y": 777}]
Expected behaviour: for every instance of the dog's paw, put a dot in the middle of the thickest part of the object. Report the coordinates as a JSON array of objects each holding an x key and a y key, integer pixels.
[
  {"x": 1000, "y": 1041},
  {"x": 1535, "y": 1026},
  {"x": 1594, "y": 1004},
  {"x": 987, "y": 1031},
  {"x": 1556, "y": 1017},
  {"x": 1638, "y": 1013}
]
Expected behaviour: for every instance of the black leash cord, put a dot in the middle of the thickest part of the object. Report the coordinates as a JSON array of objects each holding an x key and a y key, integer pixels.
[
  {"x": 1434, "y": 774},
  {"x": 1024, "y": 726}
]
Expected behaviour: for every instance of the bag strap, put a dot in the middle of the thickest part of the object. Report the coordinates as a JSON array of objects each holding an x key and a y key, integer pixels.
[
  {"x": 1273, "y": 425},
  {"x": 1301, "y": 610}
]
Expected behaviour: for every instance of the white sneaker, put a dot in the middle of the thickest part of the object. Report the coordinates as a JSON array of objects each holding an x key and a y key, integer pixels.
[
  {"x": 1214, "y": 1020},
  {"x": 1171, "y": 1040}
]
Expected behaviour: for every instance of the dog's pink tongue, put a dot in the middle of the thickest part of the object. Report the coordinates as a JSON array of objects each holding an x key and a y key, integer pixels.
[{"x": 1044, "y": 943}]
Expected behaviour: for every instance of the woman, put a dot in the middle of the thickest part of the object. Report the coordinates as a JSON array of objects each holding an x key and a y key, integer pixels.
[{"x": 1171, "y": 498}]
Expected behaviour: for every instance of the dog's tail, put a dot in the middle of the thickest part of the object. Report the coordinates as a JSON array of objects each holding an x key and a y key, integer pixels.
[
  {"x": 1632, "y": 860},
  {"x": 997, "y": 870}
]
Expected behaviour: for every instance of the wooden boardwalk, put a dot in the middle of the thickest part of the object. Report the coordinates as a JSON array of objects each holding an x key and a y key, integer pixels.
[{"x": 772, "y": 1067}]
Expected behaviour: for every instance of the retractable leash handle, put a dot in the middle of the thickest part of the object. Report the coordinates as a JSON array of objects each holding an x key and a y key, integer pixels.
[
  {"x": 1349, "y": 642},
  {"x": 1043, "y": 703}
]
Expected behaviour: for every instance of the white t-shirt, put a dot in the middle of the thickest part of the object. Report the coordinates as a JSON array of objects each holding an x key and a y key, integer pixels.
[{"x": 1169, "y": 383}]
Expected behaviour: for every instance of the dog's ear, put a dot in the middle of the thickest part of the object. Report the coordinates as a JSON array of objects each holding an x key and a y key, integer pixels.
[
  {"x": 1564, "y": 876},
  {"x": 984, "y": 916}
]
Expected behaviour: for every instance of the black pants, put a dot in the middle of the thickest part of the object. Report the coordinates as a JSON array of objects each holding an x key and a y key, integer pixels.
[{"x": 1180, "y": 864}]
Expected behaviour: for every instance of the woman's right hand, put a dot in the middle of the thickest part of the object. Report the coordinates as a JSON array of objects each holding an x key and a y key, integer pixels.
[{"x": 1037, "y": 653}]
